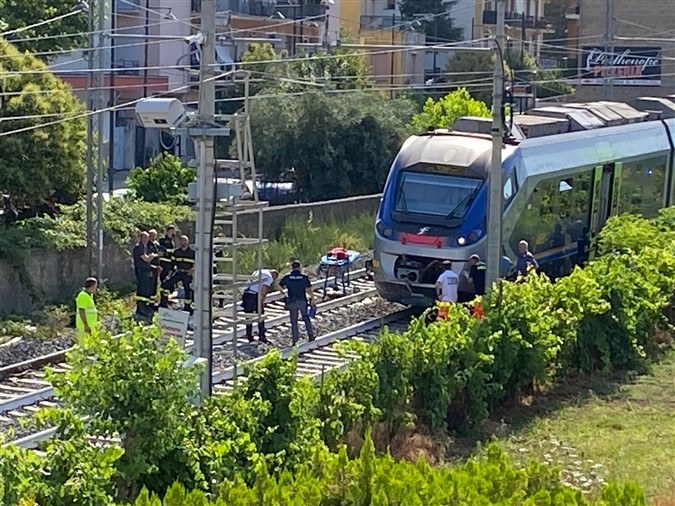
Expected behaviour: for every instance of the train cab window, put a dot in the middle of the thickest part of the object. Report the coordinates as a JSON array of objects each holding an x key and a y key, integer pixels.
[
  {"x": 642, "y": 188},
  {"x": 508, "y": 190}
]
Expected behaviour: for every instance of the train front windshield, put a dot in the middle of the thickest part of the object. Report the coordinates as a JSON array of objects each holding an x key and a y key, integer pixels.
[{"x": 438, "y": 195}]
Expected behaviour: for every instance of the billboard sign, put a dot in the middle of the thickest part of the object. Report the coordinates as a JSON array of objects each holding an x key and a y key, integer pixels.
[{"x": 625, "y": 66}]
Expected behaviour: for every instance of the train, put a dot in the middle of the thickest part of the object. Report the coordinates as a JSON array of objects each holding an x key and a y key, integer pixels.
[{"x": 566, "y": 170}]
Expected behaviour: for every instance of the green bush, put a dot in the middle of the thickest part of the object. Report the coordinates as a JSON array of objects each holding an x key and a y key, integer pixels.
[
  {"x": 268, "y": 441},
  {"x": 135, "y": 387},
  {"x": 164, "y": 180},
  {"x": 370, "y": 480},
  {"x": 123, "y": 220}
]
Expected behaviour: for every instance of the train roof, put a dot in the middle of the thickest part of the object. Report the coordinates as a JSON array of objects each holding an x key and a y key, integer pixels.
[
  {"x": 664, "y": 107},
  {"x": 452, "y": 148},
  {"x": 565, "y": 152},
  {"x": 579, "y": 118}
]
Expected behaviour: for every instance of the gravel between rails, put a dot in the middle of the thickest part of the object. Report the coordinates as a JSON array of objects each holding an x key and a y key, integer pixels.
[
  {"x": 26, "y": 348},
  {"x": 280, "y": 337},
  {"x": 19, "y": 350}
]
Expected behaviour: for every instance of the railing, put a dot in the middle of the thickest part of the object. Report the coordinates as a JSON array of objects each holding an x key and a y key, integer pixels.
[
  {"x": 378, "y": 22},
  {"x": 516, "y": 18},
  {"x": 128, "y": 5}
]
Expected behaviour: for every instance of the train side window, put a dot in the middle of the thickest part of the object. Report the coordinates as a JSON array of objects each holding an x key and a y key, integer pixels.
[{"x": 642, "y": 187}]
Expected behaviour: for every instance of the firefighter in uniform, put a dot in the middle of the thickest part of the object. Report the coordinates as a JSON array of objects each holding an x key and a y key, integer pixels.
[
  {"x": 166, "y": 249},
  {"x": 145, "y": 289},
  {"x": 153, "y": 246},
  {"x": 183, "y": 271}
]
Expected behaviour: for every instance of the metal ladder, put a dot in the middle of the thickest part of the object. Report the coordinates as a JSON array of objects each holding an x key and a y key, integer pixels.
[{"x": 228, "y": 280}]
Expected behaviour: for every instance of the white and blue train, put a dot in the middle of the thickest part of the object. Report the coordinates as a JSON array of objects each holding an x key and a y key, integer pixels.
[{"x": 566, "y": 175}]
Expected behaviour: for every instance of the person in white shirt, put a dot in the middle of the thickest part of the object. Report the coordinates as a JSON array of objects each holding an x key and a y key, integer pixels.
[
  {"x": 268, "y": 278},
  {"x": 447, "y": 284}
]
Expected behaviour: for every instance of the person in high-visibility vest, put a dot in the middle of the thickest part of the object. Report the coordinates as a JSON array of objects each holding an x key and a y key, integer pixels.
[{"x": 86, "y": 316}]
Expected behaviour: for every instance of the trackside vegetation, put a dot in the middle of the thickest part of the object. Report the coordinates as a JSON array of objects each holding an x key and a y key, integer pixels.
[{"x": 280, "y": 440}]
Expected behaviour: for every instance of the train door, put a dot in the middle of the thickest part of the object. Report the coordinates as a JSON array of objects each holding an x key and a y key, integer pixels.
[{"x": 605, "y": 202}]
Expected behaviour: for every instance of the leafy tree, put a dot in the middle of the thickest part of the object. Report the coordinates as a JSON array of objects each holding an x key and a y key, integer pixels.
[
  {"x": 46, "y": 160},
  {"x": 165, "y": 180},
  {"x": 331, "y": 145},
  {"x": 474, "y": 71},
  {"x": 66, "y": 33},
  {"x": 443, "y": 112},
  {"x": 440, "y": 27},
  {"x": 548, "y": 81},
  {"x": 339, "y": 69}
]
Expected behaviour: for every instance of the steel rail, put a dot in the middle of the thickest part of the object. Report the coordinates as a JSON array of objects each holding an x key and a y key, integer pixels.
[
  {"x": 34, "y": 396},
  {"x": 315, "y": 359},
  {"x": 59, "y": 356}
]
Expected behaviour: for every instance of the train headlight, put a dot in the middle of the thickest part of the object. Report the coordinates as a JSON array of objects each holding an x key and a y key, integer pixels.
[
  {"x": 470, "y": 238},
  {"x": 383, "y": 230}
]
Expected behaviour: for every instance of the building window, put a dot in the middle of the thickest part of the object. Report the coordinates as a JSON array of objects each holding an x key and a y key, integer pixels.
[{"x": 391, "y": 4}]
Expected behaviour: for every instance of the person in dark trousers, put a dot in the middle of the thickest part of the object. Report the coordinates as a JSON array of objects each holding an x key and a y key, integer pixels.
[
  {"x": 297, "y": 287},
  {"x": 249, "y": 301},
  {"x": 153, "y": 246},
  {"x": 183, "y": 272},
  {"x": 145, "y": 289},
  {"x": 166, "y": 246},
  {"x": 477, "y": 274},
  {"x": 526, "y": 260},
  {"x": 467, "y": 291}
]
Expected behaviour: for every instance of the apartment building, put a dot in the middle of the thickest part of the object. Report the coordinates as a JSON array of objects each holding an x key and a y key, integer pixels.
[
  {"x": 642, "y": 61},
  {"x": 525, "y": 23},
  {"x": 376, "y": 24},
  {"x": 135, "y": 70}
]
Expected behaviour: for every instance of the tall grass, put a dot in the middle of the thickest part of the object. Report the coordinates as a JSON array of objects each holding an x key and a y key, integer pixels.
[{"x": 306, "y": 241}]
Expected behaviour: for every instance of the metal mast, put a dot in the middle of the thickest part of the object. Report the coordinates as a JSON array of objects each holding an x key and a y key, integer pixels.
[
  {"x": 495, "y": 206},
  {"x": 205, "y": 194}
]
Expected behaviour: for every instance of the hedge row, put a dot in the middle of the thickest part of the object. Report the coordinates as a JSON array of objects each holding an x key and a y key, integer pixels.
[{"x": 606, "y": 316}]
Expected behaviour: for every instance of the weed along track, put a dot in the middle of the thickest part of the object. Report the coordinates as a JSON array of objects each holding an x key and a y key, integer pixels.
[{"x": 24, "y": 389}]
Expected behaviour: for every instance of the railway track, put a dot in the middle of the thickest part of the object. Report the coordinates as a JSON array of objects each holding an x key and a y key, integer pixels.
[
  {"x": 24, "y": 389},
  {"x": 314, "y": 360}
]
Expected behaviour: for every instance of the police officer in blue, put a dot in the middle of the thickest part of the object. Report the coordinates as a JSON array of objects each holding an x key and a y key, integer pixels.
[{"x": 297, "y": 287}]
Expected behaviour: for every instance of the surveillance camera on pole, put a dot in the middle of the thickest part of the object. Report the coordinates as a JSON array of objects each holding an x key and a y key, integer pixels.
[{"x": 163, "y": 113}]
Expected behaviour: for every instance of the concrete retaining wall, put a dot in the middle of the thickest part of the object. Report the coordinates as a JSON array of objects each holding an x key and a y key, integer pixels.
[{"x": 58, "y": 275}]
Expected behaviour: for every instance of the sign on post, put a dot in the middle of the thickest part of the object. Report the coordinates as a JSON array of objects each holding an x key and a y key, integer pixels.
[
  {"x": 625, "y": 66},
  {"x": 174, "y": 324}
]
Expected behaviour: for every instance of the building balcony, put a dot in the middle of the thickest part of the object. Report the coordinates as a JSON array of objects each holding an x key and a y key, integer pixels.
[
  {"x": 262, "y": 8},
  {"x": 518, "y": 19},
  {"x": 295, "y": 11},
  {"x": 128, "y": 6}
]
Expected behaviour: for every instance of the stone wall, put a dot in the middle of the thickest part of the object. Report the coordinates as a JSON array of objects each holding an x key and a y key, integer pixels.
[{"x": 57, "y": 275}]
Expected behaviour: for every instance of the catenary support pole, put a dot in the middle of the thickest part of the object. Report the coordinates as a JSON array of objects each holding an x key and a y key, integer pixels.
[
  {"x": 111, "y": 102},
  {"x": 101, "y": 155},
  {"x": 494, "y": 224},
  {"x": 90, "y": 142},
  {"x": 608, "y": 83},
  {"x": 205, "y": 203}
]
